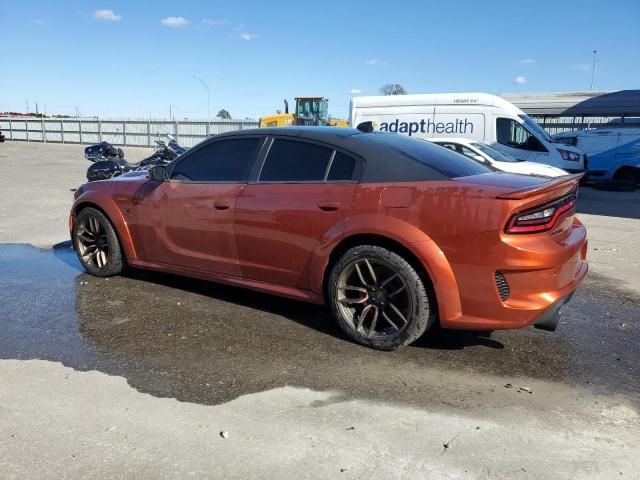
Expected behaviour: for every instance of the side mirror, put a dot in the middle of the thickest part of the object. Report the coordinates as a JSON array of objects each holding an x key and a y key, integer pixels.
[{"x": 158, "y": 173}]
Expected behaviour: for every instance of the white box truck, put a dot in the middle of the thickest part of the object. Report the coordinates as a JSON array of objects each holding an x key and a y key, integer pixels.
[{"x": 476, "y": 116}]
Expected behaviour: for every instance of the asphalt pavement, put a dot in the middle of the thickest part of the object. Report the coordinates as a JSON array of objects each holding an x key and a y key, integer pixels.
[{"x": 151, "y": 375}]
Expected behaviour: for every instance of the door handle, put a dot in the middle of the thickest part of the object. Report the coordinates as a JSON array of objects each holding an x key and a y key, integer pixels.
[
  {"x": 329, "y": 206},
  {"x": 221, "y": 205}
]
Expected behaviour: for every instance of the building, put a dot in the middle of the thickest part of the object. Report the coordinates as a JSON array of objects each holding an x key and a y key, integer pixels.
[{"x": 563, "y": 111}]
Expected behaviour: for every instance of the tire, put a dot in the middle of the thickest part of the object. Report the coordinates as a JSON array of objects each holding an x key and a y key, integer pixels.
[
  {"x": 96, "y": 244},
  {"x": 387, "y": 309},
  {"x": 626, "y": 179}
]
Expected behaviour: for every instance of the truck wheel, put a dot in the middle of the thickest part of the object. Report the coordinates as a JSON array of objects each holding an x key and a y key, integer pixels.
[{"x": 627, "y": 179}]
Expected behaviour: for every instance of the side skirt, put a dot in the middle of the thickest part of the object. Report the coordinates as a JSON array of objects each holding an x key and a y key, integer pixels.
[{"x": 280, "y": 290}]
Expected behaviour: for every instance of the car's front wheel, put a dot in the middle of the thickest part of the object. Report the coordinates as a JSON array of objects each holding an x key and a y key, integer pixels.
[
  {"x": 379, "y": 299},
  {"x": 96, "y": 243}
]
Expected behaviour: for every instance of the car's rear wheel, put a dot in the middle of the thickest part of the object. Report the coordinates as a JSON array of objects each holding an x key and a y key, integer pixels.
[
  {"x": 379, "y": 299},
  {"x": 96, "y": 244}
]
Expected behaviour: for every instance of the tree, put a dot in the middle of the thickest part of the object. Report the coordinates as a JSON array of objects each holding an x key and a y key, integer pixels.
[
  {"x": 392, "y": 89},
  {"x": 224, "y": 115}
]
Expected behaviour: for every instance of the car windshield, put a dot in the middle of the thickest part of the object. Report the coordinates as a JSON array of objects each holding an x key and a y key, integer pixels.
[
  {"x": 537, "y": 129},
  {"x": 496, "y": 155}
]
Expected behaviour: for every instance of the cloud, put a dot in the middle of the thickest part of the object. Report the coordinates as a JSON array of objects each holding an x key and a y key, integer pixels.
[
  {"x": 175, "y": 22},
  {"x": 39, "y": 21},
  {"x": 248, "y": 36},
  {"x": 355, "y": 91},
  {"x": 583, "y": 67},
  {"x": 520, "y": 80},
  {"x": 375, "y": 61},
  {"x": 214, "y": 23},
  {"x": 526, "y": 61},
  {"x": 107, "y": 15}
]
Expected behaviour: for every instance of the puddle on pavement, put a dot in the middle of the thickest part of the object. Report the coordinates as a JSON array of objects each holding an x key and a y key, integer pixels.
[{"x": 205, "y": 343}]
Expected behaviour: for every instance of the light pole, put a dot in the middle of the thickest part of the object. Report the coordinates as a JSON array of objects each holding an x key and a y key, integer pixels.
[
  {"x": 595, "y": 65},
  {"x": 208, "y": 95}
]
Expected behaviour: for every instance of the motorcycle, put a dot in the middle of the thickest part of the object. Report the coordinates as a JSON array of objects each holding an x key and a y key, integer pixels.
[{"x": 109, "y": 161}]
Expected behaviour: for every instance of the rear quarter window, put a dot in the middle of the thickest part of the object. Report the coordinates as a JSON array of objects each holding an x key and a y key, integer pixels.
[{"x": 400, "y": 158}]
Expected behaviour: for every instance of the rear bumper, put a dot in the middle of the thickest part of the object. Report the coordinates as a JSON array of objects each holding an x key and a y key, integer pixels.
[{"x": 541, "y": 271}]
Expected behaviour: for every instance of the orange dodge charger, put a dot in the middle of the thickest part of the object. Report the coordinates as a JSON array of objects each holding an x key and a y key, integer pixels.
[{"x": 395, "y": 234}]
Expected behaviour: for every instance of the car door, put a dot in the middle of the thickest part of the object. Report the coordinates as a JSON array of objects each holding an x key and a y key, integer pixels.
[
  {"x": 303, "y": 190},
  {"x": 187, "y": 221}
]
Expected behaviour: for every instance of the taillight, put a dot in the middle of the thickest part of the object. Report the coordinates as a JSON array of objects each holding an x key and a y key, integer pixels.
[{"x": 542, "y": 218}]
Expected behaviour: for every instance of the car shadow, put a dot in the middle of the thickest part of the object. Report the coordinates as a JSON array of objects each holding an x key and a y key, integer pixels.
[
  {"x": 609, "y": 203},
  {"x": 445, "y": 339},
  {"x": 203, "y": 342},
  {"x": 61, "y": 252},
  {"x": 312, "y": 316},
  {"x": 315, "y": 317}
]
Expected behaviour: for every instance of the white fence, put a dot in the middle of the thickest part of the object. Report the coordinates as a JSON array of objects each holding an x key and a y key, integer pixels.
[{"x": 139, "y": 133}]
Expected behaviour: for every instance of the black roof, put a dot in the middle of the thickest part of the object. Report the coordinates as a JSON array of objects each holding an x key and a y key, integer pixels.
[
  {"x": 389, "y": 156},
  {"x": 328, "y": 134}
]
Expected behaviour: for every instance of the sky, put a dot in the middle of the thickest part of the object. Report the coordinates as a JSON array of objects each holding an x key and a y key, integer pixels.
[{"x": 116, "y": 58}]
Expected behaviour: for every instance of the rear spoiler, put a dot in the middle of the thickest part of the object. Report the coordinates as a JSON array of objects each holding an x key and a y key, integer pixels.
[{"x": 547, "y": 186}]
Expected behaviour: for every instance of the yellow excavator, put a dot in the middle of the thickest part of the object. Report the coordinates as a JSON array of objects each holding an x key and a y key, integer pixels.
[{"x": 310, "y": 111}]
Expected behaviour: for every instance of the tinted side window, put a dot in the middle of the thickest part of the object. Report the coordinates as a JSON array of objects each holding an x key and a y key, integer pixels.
[
  {"x": 400, "y": 158},
  {"x": 223, "y": 161},
  {"x": 514, "y": 134},
  {"x": 450, "y": 146},
  {"x": 467, "y": 152},
  {"x": 292, "y": 161},
  {"x": 342, "y": 168}
]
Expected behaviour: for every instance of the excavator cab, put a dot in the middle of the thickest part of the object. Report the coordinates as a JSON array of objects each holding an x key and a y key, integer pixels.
[{"x": 312, "y": 111}]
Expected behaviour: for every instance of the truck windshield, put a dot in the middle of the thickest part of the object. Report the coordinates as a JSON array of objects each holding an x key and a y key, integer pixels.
[{"x": 537, "y": 129}]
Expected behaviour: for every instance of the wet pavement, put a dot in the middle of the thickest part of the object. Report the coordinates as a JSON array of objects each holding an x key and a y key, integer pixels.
[{"x": 206, "y": 343}]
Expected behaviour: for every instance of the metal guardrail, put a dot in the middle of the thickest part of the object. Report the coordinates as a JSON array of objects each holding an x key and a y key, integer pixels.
[{"x": 125, "y": 132}]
